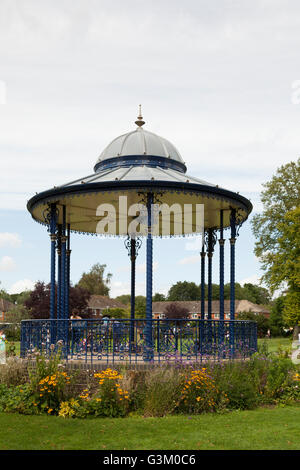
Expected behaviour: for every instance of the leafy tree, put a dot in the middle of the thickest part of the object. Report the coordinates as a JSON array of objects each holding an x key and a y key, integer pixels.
[
  {"x": 276, "y": 317},
  {"x": 277, "y": 230},
  {"x": 124, "y": 299},
  {"x": 117, "y": 313},
  {"x": 140, "y": 306},
  {"x": 184, "y": 291},
  {"x": 38, "y": 301},
  {"x": 263, "y": 323},
  {"x": 174, "y": 311},
  {"x": 256, "y": 294},
  {"x": 158, "y": 297},
  {"x": 94, "y": 281}
]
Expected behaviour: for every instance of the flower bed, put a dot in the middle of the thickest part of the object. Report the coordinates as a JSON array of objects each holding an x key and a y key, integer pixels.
[{"x": 50, "y": 388}]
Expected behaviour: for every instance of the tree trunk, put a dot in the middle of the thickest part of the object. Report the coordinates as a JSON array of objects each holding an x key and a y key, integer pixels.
[{"x": 296, "y": 332}]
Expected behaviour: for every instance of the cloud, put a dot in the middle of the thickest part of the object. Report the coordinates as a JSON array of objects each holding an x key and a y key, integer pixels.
[
  {"x": 7, "y": 264},
  {"x": 21, "y": 286},
  {"x": 254, "y": 279},
  {"x": 123, "y": 288},
  {"x": 190, "y": 260},
  {"x": 10, "y": 239}
]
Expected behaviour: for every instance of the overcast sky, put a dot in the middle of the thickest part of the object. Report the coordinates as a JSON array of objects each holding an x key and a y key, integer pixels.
[{"x": 219, "y": 79}]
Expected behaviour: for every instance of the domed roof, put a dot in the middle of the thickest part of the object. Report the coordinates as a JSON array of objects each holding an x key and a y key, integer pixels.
[{"x": 140, "y": 143}]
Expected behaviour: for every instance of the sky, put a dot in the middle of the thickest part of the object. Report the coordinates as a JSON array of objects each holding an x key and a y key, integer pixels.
[{"x": 219, "y": 79}]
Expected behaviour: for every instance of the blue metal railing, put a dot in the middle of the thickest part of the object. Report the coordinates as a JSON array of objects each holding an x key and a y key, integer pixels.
[{"x": 113, "y": 341}]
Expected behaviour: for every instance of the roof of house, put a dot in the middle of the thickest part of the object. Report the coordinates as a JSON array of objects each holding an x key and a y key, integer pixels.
[
  {"x": 101, "y": 302},
  {"x": 5, "y": 305},
  {"x": 195, "y": 306}
]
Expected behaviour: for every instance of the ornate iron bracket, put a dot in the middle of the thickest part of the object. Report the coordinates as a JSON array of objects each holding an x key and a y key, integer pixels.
[
  {"x": 210, "y": 239},
  {"x": 133, "y": 245}
]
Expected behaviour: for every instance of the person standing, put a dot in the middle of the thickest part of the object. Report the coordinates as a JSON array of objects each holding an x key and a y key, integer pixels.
[{"x": 2, "y": 348}]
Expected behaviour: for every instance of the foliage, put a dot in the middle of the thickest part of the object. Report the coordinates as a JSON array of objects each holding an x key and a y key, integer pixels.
[
  {"x": 291, "y": 308},
  {"x": 276, "y": 317},
  {"x": 140, "y": 306},
  {"x": 199, "y": 392},
  {"x": 190, "y": 291},
  {"x": 14, "y": 372},
  {"x": 109, "y": 400},
  {"x": 69, "y": 409},
  {"x": 175, "y": 310},
  {"x": 263, "y": 323},
  {"x": 38, "y": 302},
  {"x": 277, "y": 230},
  {"x": 161, "y": 391},
  {"x": 124, "y": 299},
  {"x": 158, "y": 297},
  {"x": 17, "y": 399},
  {"x": 117, "y": 313},
  {"x": 237, "y": 385},
  {"x": 184, "y": 291},
  {"x": 256, "y": 294},
  {"x": 94, "y": 281},
  {"x": 48, "y": 382}
]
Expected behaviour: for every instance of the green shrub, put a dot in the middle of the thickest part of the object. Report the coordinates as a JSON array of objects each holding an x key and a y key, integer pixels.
[
  {"x": 199, "y": 393},
  {"x": 18, "y": 399},
  {"x": 14, "y": 372},
  {"x": 278, "y": 377},
  {"x": 162, "y": 391},
  {"x": 236, "y": 382}
]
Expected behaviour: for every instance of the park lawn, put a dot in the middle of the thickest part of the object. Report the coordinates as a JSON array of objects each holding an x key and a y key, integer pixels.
[
  {"x": 274, "y": 344},
  {"x": 260, "y": 429}
]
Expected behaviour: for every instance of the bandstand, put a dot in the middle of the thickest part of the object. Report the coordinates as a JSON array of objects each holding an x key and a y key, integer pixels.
[{"x": 140, "y": 190}]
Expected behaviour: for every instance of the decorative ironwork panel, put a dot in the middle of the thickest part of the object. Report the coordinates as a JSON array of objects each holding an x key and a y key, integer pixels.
[{"x": 112, "y": 341}]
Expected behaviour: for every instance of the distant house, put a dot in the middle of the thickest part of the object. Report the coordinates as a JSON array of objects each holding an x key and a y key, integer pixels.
[
  {"x": 194, "y": 308},
  {"x": 5, "y": 306},
  {"x": 99, "y": 303}
]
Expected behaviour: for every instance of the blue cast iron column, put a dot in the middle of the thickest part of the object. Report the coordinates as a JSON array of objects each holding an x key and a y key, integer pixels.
[
  {"x": 58, "y": 246},
  {"x": 202, "y": 254},
  {"x": 211, "y": 240},
  {"x": 64, "y": 323},
  {"x": 210, "y": 250},
  {"x": 52, "y": 270},
  {"x": 232, "y": 278},
  {"x": 63, "y": 264},
  {"x": 149, "y": 281},
  {"x": 201, "y": 323},
  {"x": 221, "y": 274},
  {"x": 68, "y": 263}
]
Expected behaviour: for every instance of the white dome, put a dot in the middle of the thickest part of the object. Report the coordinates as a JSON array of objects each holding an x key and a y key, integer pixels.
[{"x": 140, "y": 142}]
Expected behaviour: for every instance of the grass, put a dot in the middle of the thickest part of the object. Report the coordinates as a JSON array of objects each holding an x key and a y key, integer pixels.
[
  {"x": 275, "y": 343},
  {"x": 260, "y": 429}
]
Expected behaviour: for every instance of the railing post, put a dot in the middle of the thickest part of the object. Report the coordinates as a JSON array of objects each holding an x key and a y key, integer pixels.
[
  {"x": 149, "y": 281},
  {"x": 221, "y": 273},
  {"x": 232, "y": 278}
]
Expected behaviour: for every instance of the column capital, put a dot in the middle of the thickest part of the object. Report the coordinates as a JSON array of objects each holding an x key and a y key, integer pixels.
[
  {"x": 68, "y": 252},
  {"x": 210, "y": 254},
  {"x": 64, "y": 239},
  {"x": 232, "y": 241},
  {"x": 202, "y": 254},
  {"x": 222, "y": 241},
  {"x": 52, "y": 237}
]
